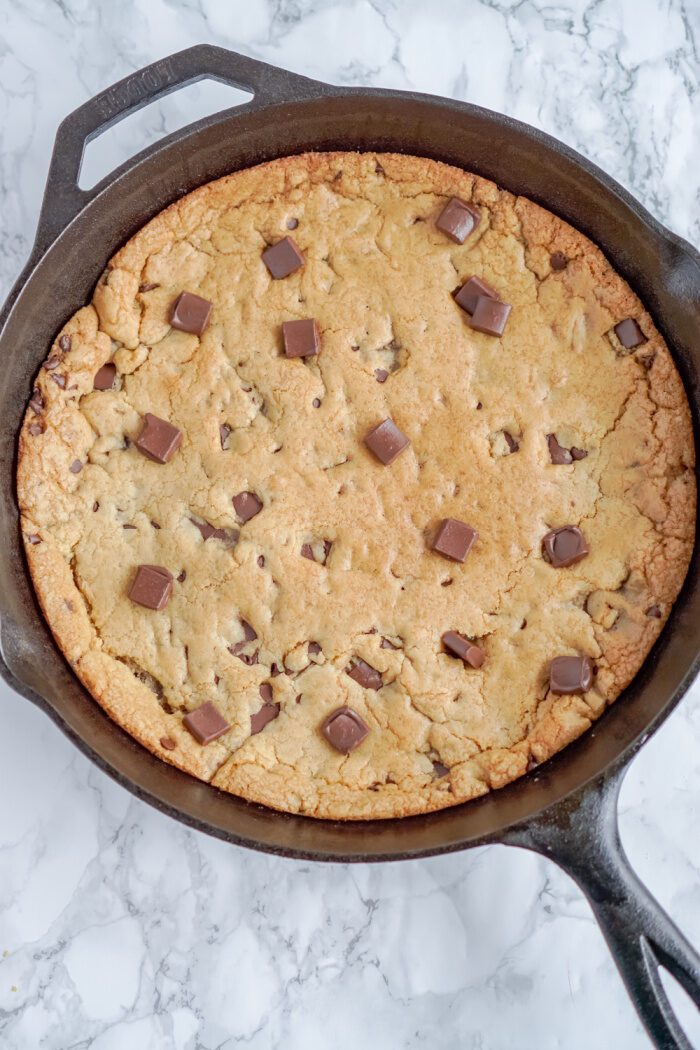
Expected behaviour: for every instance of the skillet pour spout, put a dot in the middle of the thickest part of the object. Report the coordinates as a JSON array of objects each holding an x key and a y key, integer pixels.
[{"x": 566, "y": 809}]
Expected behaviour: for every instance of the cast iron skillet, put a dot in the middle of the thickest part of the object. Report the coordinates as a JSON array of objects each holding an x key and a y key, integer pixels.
[{"x": 567, "y": 808}]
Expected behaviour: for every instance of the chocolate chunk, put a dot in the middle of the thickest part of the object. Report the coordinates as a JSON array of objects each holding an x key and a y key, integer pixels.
[
  {"x": 36, "y": 402},
  {"x": 386, "y": 644},
  {"x": 158, "y": 440},
  {"x": 386, "y": 441},
  {"x": 454, "y": 539},
  {"x": 570, "y": 674},
  {"x": 364, "y": 674},
  {"x": 35, "y": 429},
  {"x": 75, "y": 467},
  {"x": 490, "y": 315},
  {"x": 292, "y": 223},
  {"x": 439, "y": 770},
  {"x": 190, "y": 313},
  {"x": 512, "y": 444},
  {"x": 381, "y": 375},
  {"x": 307, "y": 551},
  {"x": 316, "y": 402},
  {"x": 151, "y": 587},
  {"x": 168, "y": 743},
  {"x": 457, "y": 219},
  {"x": 457, "y": 645},
  {"x": 206, "y": 723},
  {"x": 267, "y": 713},
  {"x": 344, "y": 729},
  {"x": 301, "y": 338},
  {"x": 182, "y": 577},
  {"x": 249, "y": 633},
  {"x": 578, "y": 453},
  {"x": 148, "y": 287},
  {"x": 629, "y": 333},
  {"x": 314, "y": 649},
  {"x": 33, "y": 539},
  {"x": 261, "y": 561},
  {"x": 65, "y": 343},
  {"x": 655, "y": 612},
  {"x": 558, "y": 261},
  {"x": 210, "y": 532},
  {"x": 471, "y": 291},
  {"x": 282, "y": 258},
  {"x": 564, "y": 546},
  {"x": 247, "y": 505},
  {"x": 224, "y": 431},
  {"x": 558, "y": 454},
  {"x": 266, "y": 692},
  {"x": 53, "y": 362},
  {"x": 132, "y": 527},
  {"x": 59, "y": 380},
  {"x": 104, "y": 377}
]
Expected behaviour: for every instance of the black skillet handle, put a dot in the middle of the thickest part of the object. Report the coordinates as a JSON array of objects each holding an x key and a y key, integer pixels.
[
  {"x": 63, "y": 198},
  {"x": 582, "y": 837}
]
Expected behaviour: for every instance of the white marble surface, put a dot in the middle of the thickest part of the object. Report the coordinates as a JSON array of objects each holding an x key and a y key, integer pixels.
[{"x": 118, "y": 927}]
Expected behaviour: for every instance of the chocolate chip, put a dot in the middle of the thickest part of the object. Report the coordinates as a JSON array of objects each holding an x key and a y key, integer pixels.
[
  {"x": 457, "y": 219},
  {"x": 439, "y": 771},
  {"x": 558, "y": 261},
  {"x": 158, "y": 440},
  {"x": 381, "y": 375},
  {"x": 457, "y": 645},
  {"x": 33, "y": 539},
  {"x": 564, "y": 546},
  {"x": 155, "y": 524},
  {"x": 247, "y": 505},
  {"x": 104, "y": 377},
  {"x": 471, "y": 291},
  {"x": 148, "y": 287},
  {"x": 490, "y": 315},
  {"x": 265, "y": 692},
  {"x": 36, "y": 402},
  {"x": 301, "y": 338},
  {"x": 578, "y": 453},
  {"x": 133, "y": 527},
  {"x": 205, "y": 723},
  {"x": 210, "y": 532},
  {"x": 249, "y": 633},
  {"x": 557, "y": 453},
  {"x": 224, "y": 431},
  {"x": 314, "y": 649},
  {"x": 168, "y": 743},
  {"x": 454, "y": 539},
  {"x": 282, "y": 258},
  {"x": 386, "y": 441},
  {"x": 364, "y": 674},
  {"x": 190, "y": 313},
  {"x": 65, "y": 343},
  {"x": 53, "y": 362},
  {"x": 344, "y": 729},
  {"x": 274, "y": 670},
  {"x": 316, "y": 402},
  {"x": 266, "y": 714},
  {"x": 75, "y": 467},
  {"x": 629, "y": 333},
  {"x": 512, "y": 444},
  {"x": 151, "y": 587},
  {"x": 261, "y": 561},
  {"x": 35, "y": 429},
  {"x": 292, "y": 224},
  {"x": 59, "y": 380},
  {"x": 570, "y": 674},
  {"x": 655, "y": 612},
  {"x": 95, "y": 506},
  {"x": 182, "y": 577}
]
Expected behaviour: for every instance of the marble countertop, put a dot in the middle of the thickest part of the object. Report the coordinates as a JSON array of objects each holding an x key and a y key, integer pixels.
[{"x": 121, "y": 928}]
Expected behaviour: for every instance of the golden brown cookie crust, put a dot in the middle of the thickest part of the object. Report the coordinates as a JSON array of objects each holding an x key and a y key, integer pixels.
[{"x": 379, "y": 279}]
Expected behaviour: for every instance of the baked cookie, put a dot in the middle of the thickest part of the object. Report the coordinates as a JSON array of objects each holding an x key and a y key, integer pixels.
[{"x": 360, "y": 487}]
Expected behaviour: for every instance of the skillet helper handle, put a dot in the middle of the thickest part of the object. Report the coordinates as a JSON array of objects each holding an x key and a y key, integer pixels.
[
  {"x": 63, "y": 198},
  {"x": 583, "y": 838}
]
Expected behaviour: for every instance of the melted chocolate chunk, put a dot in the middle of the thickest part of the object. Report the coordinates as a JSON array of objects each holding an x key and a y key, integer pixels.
[
  {"x": 344, "y": 729},
  {"x": 558, "y": 261},
  {"x": 457, "y": 645},
  {"x": 168, "y": 743},
  {"x": 364, "y": 674},
  {"x": 206, "y": 723},
  {"x": 570, "y": 674},
  {"x": 457, "y": 219},
  {"x": 490, "y": 316},
  {"x": 468, "y": 295},
  {"x": 454, "y": 539},
  {"x": 158, "y": 440},
  {"x": 578, "y": 453},
  {"x": 629, "y": 333},
  {"x": 36, "y": 402},
  {"x": 151, "y": 587},
  {"x": 247, "y": 505},
  {"x": 75, "y": 467},
  {"x": 266, "y": 714},
  {"x": 282, "y": 258},
  {"x": 564, "y": 546},
  {"x": 386, "y": 441},
  {"x": 104, "y": 377},
  {"x": 190, "y": 313},
  {"x": 381, "y": 375},
  {"x": 301, "y": 338}
]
